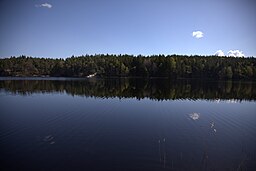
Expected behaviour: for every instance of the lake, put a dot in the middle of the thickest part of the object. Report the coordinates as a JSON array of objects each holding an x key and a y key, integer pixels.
[{"x": 127, "y": 124}]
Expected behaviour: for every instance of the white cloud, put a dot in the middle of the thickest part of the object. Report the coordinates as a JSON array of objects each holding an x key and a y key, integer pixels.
[
  {"x": 232, "y": 53},
  {"x": 219, "y": 53},
  {"x": 198, "y": 34},
  {"x": 44, "y": 5},
  {"x": 235, "y": 53}
]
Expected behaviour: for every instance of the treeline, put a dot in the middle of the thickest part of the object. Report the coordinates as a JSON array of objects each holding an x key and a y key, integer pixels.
[
  {"x": 156, "y": 89},
  {"x": 171, "y": 66}
]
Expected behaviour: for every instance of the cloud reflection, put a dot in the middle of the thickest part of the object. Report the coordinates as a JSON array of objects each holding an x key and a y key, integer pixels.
[{"x": 194, "y": 116}]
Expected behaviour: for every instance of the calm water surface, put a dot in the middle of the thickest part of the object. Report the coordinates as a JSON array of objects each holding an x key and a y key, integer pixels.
[{"x": 127, "y": 124}]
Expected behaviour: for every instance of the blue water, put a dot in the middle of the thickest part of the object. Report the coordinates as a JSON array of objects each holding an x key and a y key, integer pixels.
[{"x": 53, "y": 129}]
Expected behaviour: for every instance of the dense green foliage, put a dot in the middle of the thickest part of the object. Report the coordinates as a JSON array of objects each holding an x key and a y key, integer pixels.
[
  {"x": 172, "y": 66},
  {"x": 157, "y": 89}
]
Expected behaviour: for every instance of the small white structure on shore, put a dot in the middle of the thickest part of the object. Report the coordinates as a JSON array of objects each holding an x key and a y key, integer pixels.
[{"x": 91, "y": 75}]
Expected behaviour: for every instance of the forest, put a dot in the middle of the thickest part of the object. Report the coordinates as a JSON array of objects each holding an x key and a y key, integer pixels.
[{"x": 105, "y": 65}]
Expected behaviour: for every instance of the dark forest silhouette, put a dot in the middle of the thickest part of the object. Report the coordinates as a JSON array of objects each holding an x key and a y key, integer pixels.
[{"x": 171, "y": 66}]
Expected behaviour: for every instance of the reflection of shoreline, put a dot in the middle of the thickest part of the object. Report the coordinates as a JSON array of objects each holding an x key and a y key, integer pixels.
[
  {"x": 227, "y": 100},
  {"x": 156, "y": 89}
]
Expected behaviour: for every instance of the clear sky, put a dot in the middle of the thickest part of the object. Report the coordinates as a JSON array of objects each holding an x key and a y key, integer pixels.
[{"x": 61, "y": 28}]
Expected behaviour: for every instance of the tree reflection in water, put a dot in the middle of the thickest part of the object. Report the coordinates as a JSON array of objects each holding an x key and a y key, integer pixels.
[{"x": 156, "y": 89}]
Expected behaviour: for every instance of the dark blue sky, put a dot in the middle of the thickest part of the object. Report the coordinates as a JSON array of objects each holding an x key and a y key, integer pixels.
[{"x": 61, "y": 28}]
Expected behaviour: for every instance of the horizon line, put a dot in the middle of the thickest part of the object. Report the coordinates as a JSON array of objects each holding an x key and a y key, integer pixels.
[{"x": 113, "y": 54}]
